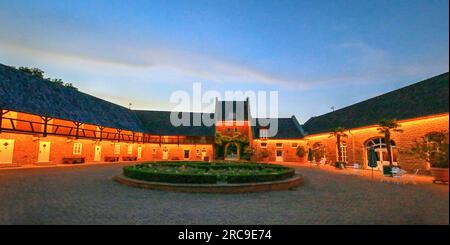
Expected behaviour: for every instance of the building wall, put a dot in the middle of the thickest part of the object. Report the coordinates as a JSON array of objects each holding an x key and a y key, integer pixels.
[
  {"x": 289, "y": 152},
  {"x": 357, "y": 138},
  {"x": 229, "y": 127},
  {"x": 26, "y": 149},
  {"x": 26, "y": 145}
]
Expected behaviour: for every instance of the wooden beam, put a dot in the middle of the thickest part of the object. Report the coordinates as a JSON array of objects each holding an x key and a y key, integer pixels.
[
  {"x": 1, "y": 119},
  {"x": 101, "y": 132},
  {"x": 118, "y": 134},
  {"x": 77, "y": 132},
  {"x": 46, "y": 120},
  {"x": 3, "y": 112}
]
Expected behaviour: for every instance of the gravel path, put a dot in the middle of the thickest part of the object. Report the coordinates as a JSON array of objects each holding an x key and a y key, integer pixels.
[{"x": 88, "y": 195}]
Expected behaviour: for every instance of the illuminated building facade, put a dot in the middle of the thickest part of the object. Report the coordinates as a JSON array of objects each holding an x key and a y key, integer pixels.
[{"x": 45, "y": 123}]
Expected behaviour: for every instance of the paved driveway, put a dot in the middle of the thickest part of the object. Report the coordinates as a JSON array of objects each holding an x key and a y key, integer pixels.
[{"x": 87, "y": 195}]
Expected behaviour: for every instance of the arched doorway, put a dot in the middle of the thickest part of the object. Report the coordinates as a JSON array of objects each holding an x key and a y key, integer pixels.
[
  {"x": 379, "y": 145},
  {"x": 231, "y": 151}
]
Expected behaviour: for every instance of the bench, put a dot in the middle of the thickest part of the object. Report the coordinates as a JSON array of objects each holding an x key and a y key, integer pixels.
[
  {"x": 129, "y": 158},
  {"x": 73, "y": 160},
  {"x": 111, "y": 159}
]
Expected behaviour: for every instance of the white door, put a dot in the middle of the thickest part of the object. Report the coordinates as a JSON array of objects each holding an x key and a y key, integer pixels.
[
  {"x": 165, "y": 154},
  {"x": 44, "y": 151},
  {"x": 98, "y": 153},
  {"x": 139, "y": 152},
  {"x": 279, "y": 155},
  {"x": 6, "y": 151}
]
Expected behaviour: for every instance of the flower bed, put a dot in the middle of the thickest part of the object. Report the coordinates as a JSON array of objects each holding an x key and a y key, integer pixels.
[{"x": 207, "y": 173}]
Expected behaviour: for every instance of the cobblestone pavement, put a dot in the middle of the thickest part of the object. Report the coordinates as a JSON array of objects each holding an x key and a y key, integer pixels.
[{"x": 88, "y": 195}]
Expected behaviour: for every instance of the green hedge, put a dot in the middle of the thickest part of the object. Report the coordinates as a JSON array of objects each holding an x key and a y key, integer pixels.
[
  {"x": 235, "y": 179},
  {"x": 134, "y": 173},
  {"x": 207, "y": 173}
]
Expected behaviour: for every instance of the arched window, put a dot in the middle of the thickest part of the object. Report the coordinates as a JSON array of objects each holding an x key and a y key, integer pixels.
[{"x": 379, "y": 145}]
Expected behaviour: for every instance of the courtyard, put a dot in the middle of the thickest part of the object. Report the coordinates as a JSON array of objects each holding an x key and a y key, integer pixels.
[{"x": 88, "y": 195}]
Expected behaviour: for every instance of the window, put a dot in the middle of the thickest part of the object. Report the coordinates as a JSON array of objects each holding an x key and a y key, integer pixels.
[
  {"x": 263, "y": 133},
  {"x": 343, "y": 156},
  {"x": 228, "y": 130},
  {"x": 263, "y": 144},
  {"x": 294, "y": 145},
  {"x": 154, "y": 151},
  {"x": 77, "y": 148},
  {"x": 116, "y": 149},
  {"x": 279, "y": 145},
  {"x": 130, "y": 149},
  {"x": 186, "y": 154},
  {"x": 235, "y": 130},
  {"x": 379, "y": 145}
]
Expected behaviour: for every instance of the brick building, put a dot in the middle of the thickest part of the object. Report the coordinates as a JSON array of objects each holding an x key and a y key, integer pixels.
[{"x": 47, "y": 123}]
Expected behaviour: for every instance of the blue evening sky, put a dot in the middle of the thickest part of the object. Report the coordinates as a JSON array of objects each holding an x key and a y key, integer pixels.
[{"x": 316, "y": 54}]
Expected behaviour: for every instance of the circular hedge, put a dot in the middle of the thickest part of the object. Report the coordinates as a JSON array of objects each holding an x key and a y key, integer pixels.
[{"x": 207, "y": 173}]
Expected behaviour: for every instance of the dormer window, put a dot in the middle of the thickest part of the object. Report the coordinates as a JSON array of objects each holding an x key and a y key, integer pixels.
[{"x": 263, "y": 133}]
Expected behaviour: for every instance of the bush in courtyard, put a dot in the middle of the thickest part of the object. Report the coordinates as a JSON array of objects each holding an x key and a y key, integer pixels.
[{"x": 207, "y": 173}]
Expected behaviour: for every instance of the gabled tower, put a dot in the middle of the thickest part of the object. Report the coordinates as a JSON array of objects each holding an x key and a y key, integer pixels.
[{"x": 233, "y": 125}]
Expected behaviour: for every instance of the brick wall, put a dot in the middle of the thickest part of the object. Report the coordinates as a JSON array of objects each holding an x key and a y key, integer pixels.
[
  {"x": 26, "y": 149},
  {"x": 357, "y": 138},
  {"x": 289, "y": 152}
]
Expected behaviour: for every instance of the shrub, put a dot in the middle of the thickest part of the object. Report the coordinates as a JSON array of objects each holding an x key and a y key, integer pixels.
[
  {"x": 301, "y": 151},
  {"x": 207, "y": 173},
  {"x": 139, "y": 174},
  {"x": 339, "y": 165},
  {"x": 433, "y": 148}
]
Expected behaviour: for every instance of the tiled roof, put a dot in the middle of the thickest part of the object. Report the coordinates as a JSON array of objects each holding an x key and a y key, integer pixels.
[
  {"x": 287, "y": 128},
  {"x": 22, "y": 92},
  {"x": 159, "y": 123}
]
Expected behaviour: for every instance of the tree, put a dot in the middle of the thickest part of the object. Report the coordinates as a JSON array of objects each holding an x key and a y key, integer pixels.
[
  {"x": 40, "y": 74},
  {"x": 386, "y": 127},
  {"x": 433, "y": 148},
  {"x": 32, "y": 71},
  {"x": 338, "y": 133}
]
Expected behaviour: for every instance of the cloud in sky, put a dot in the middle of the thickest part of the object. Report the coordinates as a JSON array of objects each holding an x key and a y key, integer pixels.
[{"x": 361, "y": 63}]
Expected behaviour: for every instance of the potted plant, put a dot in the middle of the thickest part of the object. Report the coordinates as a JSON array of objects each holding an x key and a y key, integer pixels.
[
  {"x": 433, "y": 148},
  {"x": 386, "y": 127},
  {"x": 301, "y": 151}
]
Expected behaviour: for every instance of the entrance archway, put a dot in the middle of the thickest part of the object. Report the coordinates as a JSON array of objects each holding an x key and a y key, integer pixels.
[{"x": 231, "y": 151}]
